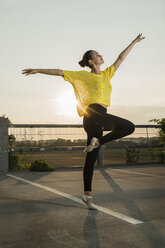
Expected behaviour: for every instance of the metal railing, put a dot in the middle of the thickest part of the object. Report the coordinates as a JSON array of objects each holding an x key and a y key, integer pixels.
[{"x": 65, "y": 148}]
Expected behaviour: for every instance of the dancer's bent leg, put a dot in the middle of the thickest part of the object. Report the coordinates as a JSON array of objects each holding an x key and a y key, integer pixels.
[{"x": 120, "y": 128}]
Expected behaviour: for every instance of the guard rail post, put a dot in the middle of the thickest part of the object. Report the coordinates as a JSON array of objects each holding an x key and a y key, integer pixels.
[
  {"x": 163, "y": 129},
  {"x": 100, "y": 157}
]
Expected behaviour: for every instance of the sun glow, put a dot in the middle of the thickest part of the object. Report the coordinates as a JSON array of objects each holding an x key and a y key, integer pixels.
[{"x": 67, "y": 103}]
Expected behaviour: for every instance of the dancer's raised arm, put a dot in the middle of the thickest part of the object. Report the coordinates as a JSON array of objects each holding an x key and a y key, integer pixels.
[
  {"x": 56, "y": 72},
  {"x": 123, "y": 54}
]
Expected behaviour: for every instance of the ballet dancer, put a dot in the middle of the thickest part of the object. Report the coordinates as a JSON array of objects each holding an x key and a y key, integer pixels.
[{"x": 92, "y": 90}]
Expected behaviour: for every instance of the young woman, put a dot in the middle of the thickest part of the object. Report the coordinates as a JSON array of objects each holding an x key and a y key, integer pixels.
[{"x": 92, "y": 90}]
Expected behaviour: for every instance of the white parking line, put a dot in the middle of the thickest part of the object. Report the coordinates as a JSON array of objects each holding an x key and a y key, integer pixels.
[
  {"x": 102, "y": 209},
  {"x": 139, "y": 173}
]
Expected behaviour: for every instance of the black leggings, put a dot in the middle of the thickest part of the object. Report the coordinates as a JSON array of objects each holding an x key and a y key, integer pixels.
[{"x": 95, "y": 121}]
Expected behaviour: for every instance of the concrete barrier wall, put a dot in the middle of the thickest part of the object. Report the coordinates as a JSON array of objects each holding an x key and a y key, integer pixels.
[{"x": 3, "y": 145}]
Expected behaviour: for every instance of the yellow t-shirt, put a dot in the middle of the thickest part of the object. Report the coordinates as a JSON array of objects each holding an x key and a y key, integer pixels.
[{"x": 90, "y": 87}]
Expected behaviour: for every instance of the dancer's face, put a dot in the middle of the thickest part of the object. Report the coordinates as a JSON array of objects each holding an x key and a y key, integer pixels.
[{"x": 97, "y": 59}]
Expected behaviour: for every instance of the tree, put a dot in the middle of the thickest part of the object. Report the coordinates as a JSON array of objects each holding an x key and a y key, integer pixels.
[{"x": 159, "y": 153}]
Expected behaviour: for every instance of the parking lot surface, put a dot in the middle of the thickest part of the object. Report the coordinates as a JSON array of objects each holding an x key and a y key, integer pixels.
[{"x": 44, "y": 209}]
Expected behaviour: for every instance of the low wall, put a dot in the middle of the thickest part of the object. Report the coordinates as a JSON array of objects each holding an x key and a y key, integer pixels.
[{"x": 3, "y": 145}]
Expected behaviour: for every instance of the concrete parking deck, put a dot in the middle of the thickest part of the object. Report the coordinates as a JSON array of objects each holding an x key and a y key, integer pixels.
[{"x": 44, "y": 209}]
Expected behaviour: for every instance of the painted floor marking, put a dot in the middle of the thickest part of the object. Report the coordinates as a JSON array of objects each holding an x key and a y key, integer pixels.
[
  {"x": 140, "y": 173},
  {"x": 102, "y": 209}
]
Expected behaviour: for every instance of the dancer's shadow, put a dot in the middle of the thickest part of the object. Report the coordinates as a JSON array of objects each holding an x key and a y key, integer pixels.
[
  {"x": 90, "y": 232},
  {"x": 154, "y": 236}
]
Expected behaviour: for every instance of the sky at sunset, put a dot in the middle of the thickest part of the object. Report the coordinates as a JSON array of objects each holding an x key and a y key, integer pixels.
[{"x": 56, "y": 34}]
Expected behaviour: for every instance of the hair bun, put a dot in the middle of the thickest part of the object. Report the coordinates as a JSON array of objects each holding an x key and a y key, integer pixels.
[{"x": 82, "y": 63}]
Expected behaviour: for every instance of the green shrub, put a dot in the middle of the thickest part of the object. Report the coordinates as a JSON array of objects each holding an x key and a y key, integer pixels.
[
  {"x": 40, "y": 165},
  {"x": 157, "y": 153},
  {"x": 132, "y": 155},
  {"x": 13, "y": 161}
]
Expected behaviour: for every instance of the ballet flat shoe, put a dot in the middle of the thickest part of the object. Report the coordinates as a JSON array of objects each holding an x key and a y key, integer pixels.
[
  {"x": 93, "y": 144},
  {"x": 85, "y": 199}
]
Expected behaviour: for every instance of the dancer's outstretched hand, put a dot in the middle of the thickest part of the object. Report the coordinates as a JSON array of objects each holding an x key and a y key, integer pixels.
[
  {"x": 139, "y": 38},
  {"x": 29, "y": 71}
]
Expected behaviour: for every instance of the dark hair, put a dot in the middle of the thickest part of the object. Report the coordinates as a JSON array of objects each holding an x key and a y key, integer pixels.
[{"x": 86, "y": 57}]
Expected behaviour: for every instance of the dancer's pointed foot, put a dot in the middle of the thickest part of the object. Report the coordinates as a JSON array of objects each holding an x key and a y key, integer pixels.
[{"x": 93, "y": 144}]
